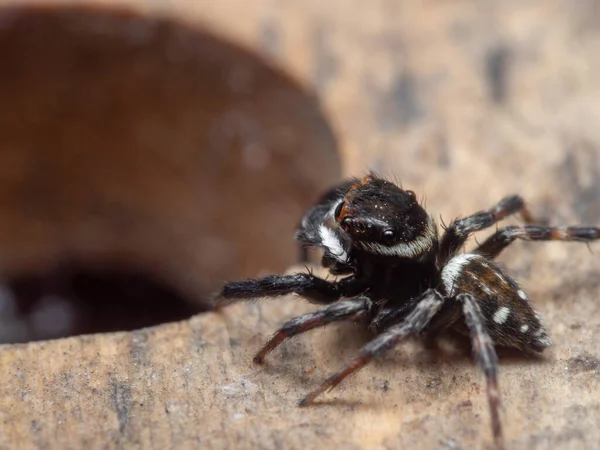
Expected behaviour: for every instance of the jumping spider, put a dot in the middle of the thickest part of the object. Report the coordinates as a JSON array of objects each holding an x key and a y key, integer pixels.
[{"x": 402, "y": 280}]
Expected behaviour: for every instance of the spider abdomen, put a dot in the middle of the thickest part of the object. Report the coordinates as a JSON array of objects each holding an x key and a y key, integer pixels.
[{"x": 510, "y": 319}]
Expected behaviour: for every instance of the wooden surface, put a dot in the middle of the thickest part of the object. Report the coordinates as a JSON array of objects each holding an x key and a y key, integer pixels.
[{"x": 462, "y": 101}]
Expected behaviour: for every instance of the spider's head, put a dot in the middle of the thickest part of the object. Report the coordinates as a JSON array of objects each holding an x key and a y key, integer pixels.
[{"x": 381, "y": 218}]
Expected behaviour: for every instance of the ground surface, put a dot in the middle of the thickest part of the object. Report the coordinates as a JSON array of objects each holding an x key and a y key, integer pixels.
[{"x": 464, "y": 102}]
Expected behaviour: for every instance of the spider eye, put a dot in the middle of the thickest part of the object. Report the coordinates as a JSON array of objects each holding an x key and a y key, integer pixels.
[
  {"x": 346, "y": 221},
  {"x": 412, "y": 194},
  {"x": 388, "y": 236}
]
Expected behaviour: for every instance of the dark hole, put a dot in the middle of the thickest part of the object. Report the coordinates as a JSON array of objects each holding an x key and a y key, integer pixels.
[{"x": 71, "y": 301}]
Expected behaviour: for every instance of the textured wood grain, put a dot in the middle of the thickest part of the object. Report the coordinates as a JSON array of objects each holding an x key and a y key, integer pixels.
[{"x": 464, "y": 102}]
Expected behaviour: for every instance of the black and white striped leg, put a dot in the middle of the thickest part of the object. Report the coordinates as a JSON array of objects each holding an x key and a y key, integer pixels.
[
  {"x": 430, "y": 304},
  {"x": 485, "y": 354},
  {"x": 502, "y": 238},
  {"x": 354, "y": 309},
  {"x": 459, "y": 230},
  {"x": 314, "y": 289}
]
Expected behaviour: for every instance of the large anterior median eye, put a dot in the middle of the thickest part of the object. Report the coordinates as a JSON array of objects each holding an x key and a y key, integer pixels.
[
  {"x": 388, "y": 237},
  {"x": 346, "y": 223}
]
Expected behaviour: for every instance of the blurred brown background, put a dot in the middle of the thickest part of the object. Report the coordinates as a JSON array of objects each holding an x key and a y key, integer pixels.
[
  {"x": 143, "y": 162},
  {"x": 462, "y": 101}
]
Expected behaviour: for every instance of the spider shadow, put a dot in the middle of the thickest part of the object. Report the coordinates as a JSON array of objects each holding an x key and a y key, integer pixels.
[
  {"x": 453, "y": 347},
  {"x": 294, "y": 361}
]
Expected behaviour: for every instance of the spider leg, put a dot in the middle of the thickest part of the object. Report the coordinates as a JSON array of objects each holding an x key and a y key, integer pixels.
[
  {"x": 459, "y": 230},
  {"x": 431, "y": 302},
  {"x": 345, "y": 310},
  {"x": 387, "y": 317},
  {"x": 485, "y": 354},
  {"x": 313, "y": 288},
  {"x": 502, "y": 238}
]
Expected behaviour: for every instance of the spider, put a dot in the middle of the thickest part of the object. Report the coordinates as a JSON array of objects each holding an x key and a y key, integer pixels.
[{"x": 403, "y": 280}]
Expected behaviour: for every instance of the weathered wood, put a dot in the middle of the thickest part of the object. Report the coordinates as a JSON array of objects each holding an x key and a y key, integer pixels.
[
  {"x": 463, "y": 101},
  {"x": 192, "y": 384}
]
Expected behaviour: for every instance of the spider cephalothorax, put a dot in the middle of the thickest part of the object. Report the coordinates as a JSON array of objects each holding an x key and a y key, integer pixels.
[
  {"x": 381, "y": 218},
  {"x": 402, "y": 280}
]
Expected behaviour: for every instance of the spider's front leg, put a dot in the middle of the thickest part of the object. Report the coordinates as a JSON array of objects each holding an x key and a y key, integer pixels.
[
  {"x": 485, "y": 354},
  {"x": 459, "y": 230},
  {"x": 354, "y": 309},
  {"x": 430, "y": 303},
  {"x": 314, "y": 289},
  {"x": 502, "y": 238}
]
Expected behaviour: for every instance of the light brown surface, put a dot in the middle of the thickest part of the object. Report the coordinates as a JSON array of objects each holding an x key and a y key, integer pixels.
[{"x": 404, "y": 84}]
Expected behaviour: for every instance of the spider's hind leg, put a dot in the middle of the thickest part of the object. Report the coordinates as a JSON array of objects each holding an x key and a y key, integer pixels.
[
  {"x": 354, "y": 309},
  {"x": 485, "y": 354}
]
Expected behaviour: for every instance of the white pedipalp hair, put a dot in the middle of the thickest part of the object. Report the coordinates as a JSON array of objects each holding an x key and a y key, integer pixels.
[
  {"x": 406, "y": 249},
  {"x": 331, "y": 241}
]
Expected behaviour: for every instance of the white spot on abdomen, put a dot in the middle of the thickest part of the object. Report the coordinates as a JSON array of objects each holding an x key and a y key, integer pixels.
[
  {"x": 524, "y": 328},
  {"x": 501, "y": 315}
]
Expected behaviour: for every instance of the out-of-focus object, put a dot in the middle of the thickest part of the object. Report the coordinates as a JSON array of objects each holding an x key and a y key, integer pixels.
[{"x": 137, "y": 142}]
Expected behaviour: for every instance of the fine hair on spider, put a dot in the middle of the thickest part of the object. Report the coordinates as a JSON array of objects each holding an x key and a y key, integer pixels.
[{"x": 402, "y": 279}]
